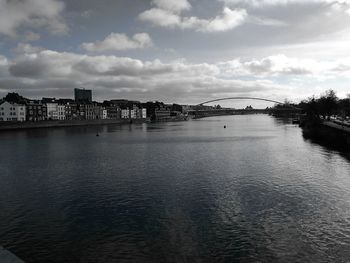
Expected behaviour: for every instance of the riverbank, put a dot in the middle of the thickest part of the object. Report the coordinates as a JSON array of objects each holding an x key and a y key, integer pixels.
[
  {"x": 328, "y": 133},
  {"x": 71, "y": 123}
]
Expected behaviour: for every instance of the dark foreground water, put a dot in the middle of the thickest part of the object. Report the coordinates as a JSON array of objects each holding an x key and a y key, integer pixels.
[{"x": 174, "y": 192}]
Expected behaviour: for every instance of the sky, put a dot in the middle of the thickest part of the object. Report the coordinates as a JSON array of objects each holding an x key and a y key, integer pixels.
[{"x": 176, "y": 51}]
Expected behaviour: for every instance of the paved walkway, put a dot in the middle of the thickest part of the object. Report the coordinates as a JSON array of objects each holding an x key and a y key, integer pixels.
[
  {"x": 337, "y": 126},
  {"x": 7, "y": 257}
]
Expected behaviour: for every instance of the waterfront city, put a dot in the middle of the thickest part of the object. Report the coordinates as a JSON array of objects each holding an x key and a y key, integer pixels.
[{"x": 174, "y": 131}]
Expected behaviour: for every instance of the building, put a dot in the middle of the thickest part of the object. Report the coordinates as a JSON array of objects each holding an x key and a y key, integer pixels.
[
  {"x": 98, "y": 111},
  {"x": 88, "y": 110},
  {"x": 52, "y": 111},
  {"x": 71, "y": 110},
  {"x": 52, "y": 108},
  {"x": 91, "y": 111},
  {"x": 125, "y": 113},
  {"x": 133, "y": 113},
  {"x": 162, "y": 114},
  {"x": 83, "y": 95},
  {"x": 104, "y": 114},
  {"x": 35, "y": 110},
  {"x": 143, "y": 113},
  {"x": 61, "y": 110},
  {"x": 12, "y": 111},
  {"x": 113, "y": 112},
  {"x": 122, "y": 103}
]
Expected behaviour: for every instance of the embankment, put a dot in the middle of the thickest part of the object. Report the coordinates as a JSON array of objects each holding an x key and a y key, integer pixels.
[
  {"x": 332, "y": 135},
  {"x": 71, "y": 123}
]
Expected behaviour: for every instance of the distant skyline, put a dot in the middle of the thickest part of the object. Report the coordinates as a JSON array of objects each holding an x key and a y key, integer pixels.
[{"x": 183, "y": 51}]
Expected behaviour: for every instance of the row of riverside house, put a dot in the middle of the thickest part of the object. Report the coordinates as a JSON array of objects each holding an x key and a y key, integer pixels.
[{"x": 17, "y": 108}]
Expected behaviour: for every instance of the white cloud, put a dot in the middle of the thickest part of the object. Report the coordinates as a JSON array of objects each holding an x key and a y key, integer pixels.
[
  {"x": 335, "y": 5},
  {"x": 272, "y": 65},
  {"x": 227, "y": 20},
  {"x": 116, "y": 41},
  {"x": 281, "y": 65},
  {"x": 31, "y": 13},
  {"x": 38, "y": 72},
  {"x": 174, "y": 6},
  {"x": 51, "y": 73},
  {"x": 260, "y": 3},
  {"x": 3, "y": 61},
  {"x": 161, "y": 17},
  {"x": 264, "y": 21}
]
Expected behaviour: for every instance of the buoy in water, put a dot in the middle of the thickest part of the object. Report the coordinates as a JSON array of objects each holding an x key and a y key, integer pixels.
[
  {"x": 224, "y": 126},
  {"x": 97, "y": 135}
]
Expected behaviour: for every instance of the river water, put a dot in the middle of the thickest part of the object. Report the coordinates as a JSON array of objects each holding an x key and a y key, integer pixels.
[{"x": 192, "y": 191}]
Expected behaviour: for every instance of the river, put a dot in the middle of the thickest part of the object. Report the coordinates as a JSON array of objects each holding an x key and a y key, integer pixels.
[{"x": 174, "y": 192}]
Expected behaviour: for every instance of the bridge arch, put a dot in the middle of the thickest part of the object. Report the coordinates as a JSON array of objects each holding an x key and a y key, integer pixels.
[{"x": 241, "y": 98}]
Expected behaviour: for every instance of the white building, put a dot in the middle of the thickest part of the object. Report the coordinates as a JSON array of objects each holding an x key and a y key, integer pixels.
[
  {"x": 104, "y": 114},
  {"x": 133, "y": 113},
  {"x": 12, "y": 112},
  {"x": 61, "y": 110},
  {"x": 125, "y": 114},
  {"x": 144, "y": 113},
  {"x": 52, "y": 110}
]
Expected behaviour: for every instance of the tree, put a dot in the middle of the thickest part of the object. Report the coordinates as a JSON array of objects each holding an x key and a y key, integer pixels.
[
  {"x": 176, "y": 107},
  {"x": 310, "y": 106},
  {"x": 328, "y": 103},
  {"x": 344, "y": 106},
  {"x": 15, "y": 98}
]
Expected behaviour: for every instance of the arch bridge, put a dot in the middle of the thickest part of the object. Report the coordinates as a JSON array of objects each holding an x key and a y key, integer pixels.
[
  {"x": 241, "y": 98},
  {"x": 199, "y": 112}
]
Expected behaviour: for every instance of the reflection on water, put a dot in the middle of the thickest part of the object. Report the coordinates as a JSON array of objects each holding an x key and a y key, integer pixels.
[
  {"x": 329, "y": 145},
  {"x": 174, "y": 192}
]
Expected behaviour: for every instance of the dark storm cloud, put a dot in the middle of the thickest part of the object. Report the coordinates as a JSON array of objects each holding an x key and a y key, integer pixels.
[{"x": 28, "y": 69}]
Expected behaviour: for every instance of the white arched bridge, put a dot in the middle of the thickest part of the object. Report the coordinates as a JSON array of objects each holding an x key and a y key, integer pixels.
[
  {"x": 200, "y": 110},
  {"x": 242, "y": 98}
]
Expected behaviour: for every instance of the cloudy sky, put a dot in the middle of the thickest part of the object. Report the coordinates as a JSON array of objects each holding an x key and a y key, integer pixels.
[{"x": 184, "y": 51}]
